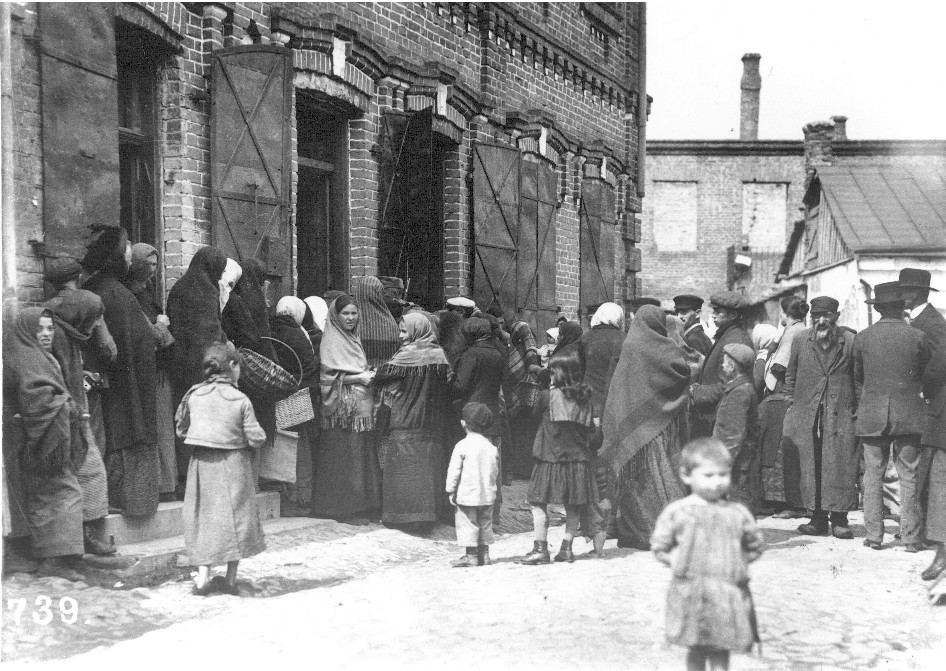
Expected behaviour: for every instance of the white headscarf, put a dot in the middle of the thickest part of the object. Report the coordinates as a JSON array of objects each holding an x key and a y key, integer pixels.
[
  {"x": 610, "y": 314},
  {"x": 292, "y": 306},
  {"x": 231, "y": 275},
  {"x": 553, "y": 333},
  {"x": 763, "y": 335},
  {"x": 319, "y": 309}
]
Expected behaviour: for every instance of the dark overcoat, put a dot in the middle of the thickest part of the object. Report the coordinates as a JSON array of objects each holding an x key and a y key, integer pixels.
[
  {"x": 889, "y": 358},
  {"x": 815, "y": 383},
  {"x": 696, "y": 338},
  {"x": 481, "y": 370},
  {"x": 933, "y": 326},
  {"x": 708, "y": 392},
  {"x": 602, "y": 352}
]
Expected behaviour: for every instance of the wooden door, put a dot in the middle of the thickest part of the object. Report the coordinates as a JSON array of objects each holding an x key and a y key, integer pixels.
[
  {"x": 250, "y": 157},
  {"x": 597, "y": 244},
  {"x": 80, "y": 123},
  {"x": 536, "y": 260}
]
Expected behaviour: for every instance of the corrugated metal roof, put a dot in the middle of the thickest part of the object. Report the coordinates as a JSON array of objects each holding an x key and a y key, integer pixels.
[{"x": 887, "y": 208}]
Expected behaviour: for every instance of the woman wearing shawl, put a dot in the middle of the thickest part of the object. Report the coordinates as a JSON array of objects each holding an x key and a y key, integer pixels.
[
  {"x": 523, "y": 397},
  {"x": 645, "y": 425},
  {"x": 602, "y": 350},
  {"x": 50, "y": 445},
  {"x": 414, "y": 386},
  {"x": 378, "y": 330},
  {"x": 144, "y": 264},
  {"x": 129, "y": 404},
  {"x": 347, "y": 477},
  {"x": 570, "y": 339}
]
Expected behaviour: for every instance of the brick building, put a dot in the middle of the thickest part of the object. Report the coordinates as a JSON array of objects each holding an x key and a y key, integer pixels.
[{"x": 485, "y": 149}]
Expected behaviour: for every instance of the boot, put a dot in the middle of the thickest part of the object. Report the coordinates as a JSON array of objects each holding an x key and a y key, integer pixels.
[
  {"x": 934, "y": 570},
  {"x": 93, "y": 546},
  {"x": 840, "y": 528},
  {"x": 539, "y": 555},
  {"x": 482, "y": 555},
  {"x": 565, "y": 552},
  {"x": 817, "y": 526},
  {"x": 467, "y": 560}
]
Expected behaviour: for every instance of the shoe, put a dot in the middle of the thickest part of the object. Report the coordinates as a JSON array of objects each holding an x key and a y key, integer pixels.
[
  {"x": 60, "y": 567},
  {"x": 482, "y": 555},
  {"x": 565, "y": 552},
  {"x": 813, "y": 528},
  {"x": 873, "y": 545},
  {"x": 539, "y": 555},
  {"x": 843, "y": 532},
  {"x": 914, "y": 547},
  {"x": 219, "y": 584},
  {"x": 934, "y": 570},
  {"x": 471, "y": 558}
]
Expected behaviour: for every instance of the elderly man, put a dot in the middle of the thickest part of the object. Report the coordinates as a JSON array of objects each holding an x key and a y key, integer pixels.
[
  {"x": 708, "y": 391},
  {"x": 819, "y": 423},
  {"x": 687, "y": 307},
  {"x": 889, "y": 358}
]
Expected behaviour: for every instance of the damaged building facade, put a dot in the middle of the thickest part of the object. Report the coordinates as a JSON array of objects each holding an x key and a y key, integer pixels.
[{"x": 481, "y": 149}]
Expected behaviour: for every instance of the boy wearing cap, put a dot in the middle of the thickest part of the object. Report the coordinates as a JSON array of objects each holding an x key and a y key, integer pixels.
[
  {"x": 889, "y": 358},
  {"x": 471, "y": 484},
  {"x": 737, "y": 423}
]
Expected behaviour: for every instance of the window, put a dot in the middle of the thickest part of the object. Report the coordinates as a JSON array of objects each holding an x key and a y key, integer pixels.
[
  {"x": 764, "y": 212},
  {"x": 675, "y": 217}
]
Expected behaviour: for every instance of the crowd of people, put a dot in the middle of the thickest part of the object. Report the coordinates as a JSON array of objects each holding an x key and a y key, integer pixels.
[{"x": 108, "y": 391}]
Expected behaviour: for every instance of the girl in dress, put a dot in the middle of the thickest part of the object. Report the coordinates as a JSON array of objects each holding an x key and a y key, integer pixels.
[
  {"x": 708, "y": 541},
  {"x": 564, "y": 450},
  {"x": 221, "y": 521}
]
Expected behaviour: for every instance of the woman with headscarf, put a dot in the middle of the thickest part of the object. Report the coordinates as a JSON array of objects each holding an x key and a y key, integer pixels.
[
  {"x": 523, "y": 397},
  {"x": 376, "y": 326},
  {"x": 144, "y": 265},
  {"x": 570, "y": 333},
  {"x": 50, "y": 445},
  {"x": 129, "y": 404},
  {"x": 450, "y": 335},
  {"x": 602, "y": 350},
  {"x": 347, "y": 475},
  {"x": 413, "y": 385},
  {"x": 645, "y": 425}
]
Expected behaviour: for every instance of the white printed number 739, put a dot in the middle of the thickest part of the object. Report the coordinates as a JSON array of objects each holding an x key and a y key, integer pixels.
[{"x": 43, "y": 614}]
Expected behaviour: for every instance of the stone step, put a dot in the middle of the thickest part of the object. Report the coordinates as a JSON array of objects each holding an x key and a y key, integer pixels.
[{"x": 168, "y": 522}]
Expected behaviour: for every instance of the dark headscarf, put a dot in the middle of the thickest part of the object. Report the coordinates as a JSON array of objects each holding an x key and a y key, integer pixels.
[
  {"x": 106, "y": 251},
  {"x": 35, "y": 386},
  {"x": 476, "y": 329},
  {"x": 250, "y": 290}
]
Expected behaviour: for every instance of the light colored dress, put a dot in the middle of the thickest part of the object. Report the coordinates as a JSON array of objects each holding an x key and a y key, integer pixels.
[{"x": 709, "y": 546}]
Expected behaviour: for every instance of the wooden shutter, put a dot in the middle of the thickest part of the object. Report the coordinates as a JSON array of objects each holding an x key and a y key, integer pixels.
[
  {"x": 536, "y": 244},
  {"x": 495, "y": 225},
  {"x": 250, "y": 157},
  {"x": 80, "y": 122},
  {"x": 597, "y": 224}
]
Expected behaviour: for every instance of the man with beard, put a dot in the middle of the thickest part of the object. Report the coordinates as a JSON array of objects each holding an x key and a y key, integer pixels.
[
  {"x": 889, "y": 358},
  {"x": 819, "y": 424},
  {"x": 728, "y": 309},
  {"x": 687, "y": 307}
]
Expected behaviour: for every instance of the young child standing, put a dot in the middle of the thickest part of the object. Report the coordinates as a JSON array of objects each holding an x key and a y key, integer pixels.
[
  {"x": 708, "y": 542},
  {"x": 471, "y": 484},
  {"x": 737, "y": 425},
  {"x": 564, "y": 449},
  {"x": 221, "y": 521}
]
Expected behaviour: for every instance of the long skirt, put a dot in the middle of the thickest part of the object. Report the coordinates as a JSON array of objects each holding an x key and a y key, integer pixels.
[
  {"x": 133, "y": 479},
  {"x": 347, "y": 474},
  {"x": 411, "y": 480},
  {"x": 771, "y": 419},
  {"x": 54, "y": 515},
  {"x": 221, "y": 520},
  {"x": 301, "y": 491},
  {"x": 167, "y": 452},
  {"x": 93, "y": 480},
  {"x": 647, "y": 483}
]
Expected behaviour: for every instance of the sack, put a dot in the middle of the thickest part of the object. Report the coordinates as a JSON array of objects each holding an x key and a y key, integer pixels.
[
  {"x": 278, "y": 457},
  {"x": 264, "y": 376},
  {"x": 295, "y": 409}
]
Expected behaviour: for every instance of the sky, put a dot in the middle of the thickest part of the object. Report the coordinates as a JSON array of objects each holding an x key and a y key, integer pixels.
[{"x": 881, "y": 64}]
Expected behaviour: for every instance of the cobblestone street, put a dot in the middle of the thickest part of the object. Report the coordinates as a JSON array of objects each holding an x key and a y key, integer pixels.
[{"x": 370, "y": 596}]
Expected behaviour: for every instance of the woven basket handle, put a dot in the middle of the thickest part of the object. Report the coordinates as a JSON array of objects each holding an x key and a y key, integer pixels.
[{"x": 298, "y": 360}]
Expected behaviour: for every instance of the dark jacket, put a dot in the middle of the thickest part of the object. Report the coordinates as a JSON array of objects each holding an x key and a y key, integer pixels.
[
  {"x": 602, "y": 352},
  {"x": 696, "y": 337},
  {"x": 889, "y": 358},
  {"x": 286, "y": 330},
  {"x": 737, "y": 427},
  {"x": 709, "y": 388},
  {"x": 820, "y": 388},
  {"x": 933, "y": 326},
  {"x": 481, "y": 370}
]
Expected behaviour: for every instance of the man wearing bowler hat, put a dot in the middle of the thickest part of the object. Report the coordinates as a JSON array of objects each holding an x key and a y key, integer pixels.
[
  {"x": 687, "y": 307},
  {"x": 889, "y": 358},
  {"x": 819, "y": 445},
  {"x": 728, "y": 309},
  {"x": 915, "y": 289}
]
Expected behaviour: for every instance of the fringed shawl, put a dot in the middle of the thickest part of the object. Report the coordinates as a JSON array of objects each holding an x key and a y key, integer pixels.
[
  {"x": 379, "y": 332},
  {"x": 649, "y": 388},
  {"x": 343, "y": 406},
  {"x": 420, "y": 348}
]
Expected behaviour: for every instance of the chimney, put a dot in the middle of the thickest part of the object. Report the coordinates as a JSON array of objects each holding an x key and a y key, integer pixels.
[
  {"x": 818, "y": 138},
  {"x": 751, "y": 89},
  {"x": 840, "y": 127}
]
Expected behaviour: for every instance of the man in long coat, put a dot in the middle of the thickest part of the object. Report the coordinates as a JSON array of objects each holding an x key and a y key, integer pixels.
[
  {"x": 728, "y": 308},
  {"x": 915, "y": 289},
  {"x": 819, "y": 425}
]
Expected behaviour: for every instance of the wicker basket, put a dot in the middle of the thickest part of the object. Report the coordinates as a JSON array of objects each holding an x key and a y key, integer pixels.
[
  {"x": 295, "y": 409},
  {"x": 264, "y": 376}
]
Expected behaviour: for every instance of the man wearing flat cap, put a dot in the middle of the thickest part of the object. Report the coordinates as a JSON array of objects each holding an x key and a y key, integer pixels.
[
  {"x": 819, "y": 442},
  {"x": 915, "y": 289},
  {"x": 462, "y": 305},
  {"x": 687, "y": 307},
  {"x": 889, "y": 358},
  {"x": 728, "y": 309}
]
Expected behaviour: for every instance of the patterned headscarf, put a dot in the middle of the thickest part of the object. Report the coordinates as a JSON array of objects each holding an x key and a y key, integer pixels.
[{"x": 379, "y": 331}]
